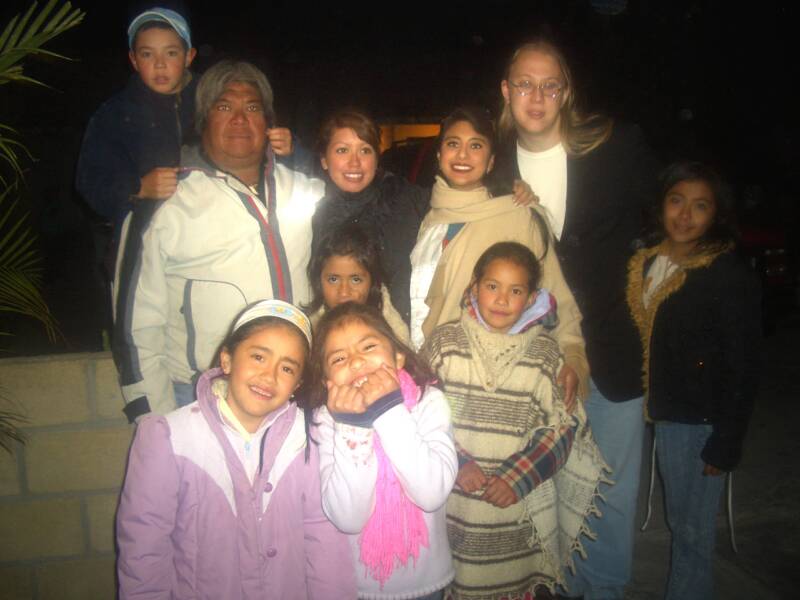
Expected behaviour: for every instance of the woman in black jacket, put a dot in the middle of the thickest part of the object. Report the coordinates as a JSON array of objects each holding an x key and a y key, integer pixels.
[
  {"x": 387, "y": 206},
  {"x": 595, "y": 178},
  {"x": 697, "y": 308}
]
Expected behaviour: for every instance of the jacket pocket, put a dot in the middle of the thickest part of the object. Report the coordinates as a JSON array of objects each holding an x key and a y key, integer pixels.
[{"x": 209, "y": 308}]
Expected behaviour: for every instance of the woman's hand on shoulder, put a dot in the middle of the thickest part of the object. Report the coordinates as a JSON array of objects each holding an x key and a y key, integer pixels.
[
  {"x": 523, "y": 194},
  {"x": 568, "y": 379}
]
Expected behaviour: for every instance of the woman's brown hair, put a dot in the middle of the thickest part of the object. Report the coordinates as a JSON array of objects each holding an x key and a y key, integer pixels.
[{"x": 349, "y": 118}]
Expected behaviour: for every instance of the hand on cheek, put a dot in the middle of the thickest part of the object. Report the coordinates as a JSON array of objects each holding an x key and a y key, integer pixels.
[
  {"x": 378, "y": 384},
  {"x": 345, "y": 399}
]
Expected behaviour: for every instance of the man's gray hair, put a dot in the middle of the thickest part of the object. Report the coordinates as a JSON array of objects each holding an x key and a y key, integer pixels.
[{"x": 213, "y": 82}]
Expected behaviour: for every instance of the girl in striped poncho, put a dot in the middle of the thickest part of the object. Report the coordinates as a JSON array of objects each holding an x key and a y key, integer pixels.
[{"x": 528, "y": 467}]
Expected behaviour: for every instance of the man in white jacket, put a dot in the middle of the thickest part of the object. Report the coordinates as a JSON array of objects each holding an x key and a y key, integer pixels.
[{"x": 237, "y": 230}]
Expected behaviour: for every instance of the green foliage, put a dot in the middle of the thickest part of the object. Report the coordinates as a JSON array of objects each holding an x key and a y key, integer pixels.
[
  {"x": 20, "y": 273},
  {"x": 22, "y": 38}
]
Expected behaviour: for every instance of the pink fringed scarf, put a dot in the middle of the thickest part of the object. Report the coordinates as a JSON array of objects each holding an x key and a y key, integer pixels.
[{"x": 397, "y": 528}]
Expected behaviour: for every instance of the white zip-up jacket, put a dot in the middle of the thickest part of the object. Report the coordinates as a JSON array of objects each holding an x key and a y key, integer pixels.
[
  {"x": 419, "y": 445},
  {"x": 190, "y": 264}
]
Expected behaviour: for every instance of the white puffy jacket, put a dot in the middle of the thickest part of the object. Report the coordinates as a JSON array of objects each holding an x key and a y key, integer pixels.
[{"x": 189, "y": 264}]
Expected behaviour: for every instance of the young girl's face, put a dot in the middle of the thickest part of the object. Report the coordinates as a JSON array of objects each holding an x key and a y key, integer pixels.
[
  {"x": 263, "y": 372},
  {"x": 503, "y": 293},
  {"x": 465, "y": 156},
  {"x": 354, "y": 350},
  {"x": 344, "y": 279},
  {"x": 688, "y": 212}
]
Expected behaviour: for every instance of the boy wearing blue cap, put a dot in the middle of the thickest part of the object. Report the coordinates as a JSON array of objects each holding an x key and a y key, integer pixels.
[{"x": 132, "y": 145}]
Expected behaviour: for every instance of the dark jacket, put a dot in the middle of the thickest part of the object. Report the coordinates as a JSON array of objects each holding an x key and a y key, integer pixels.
[
  {"x": 132, "y": 133},
  {"x": 608, "y": 191},
  {"x": 390, "y": 209},
  {"x": 703, "y": 347}
]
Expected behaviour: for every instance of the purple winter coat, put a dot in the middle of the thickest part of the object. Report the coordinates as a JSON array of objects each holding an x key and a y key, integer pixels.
[{"x": 190, "y": 524}]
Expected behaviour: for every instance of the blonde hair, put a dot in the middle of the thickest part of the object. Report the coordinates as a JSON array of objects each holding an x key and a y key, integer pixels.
[{"x": 580, "y": 134}]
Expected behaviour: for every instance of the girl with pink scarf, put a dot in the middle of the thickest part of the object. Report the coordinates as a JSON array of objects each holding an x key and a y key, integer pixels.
[{"x": 387, "y": 457}]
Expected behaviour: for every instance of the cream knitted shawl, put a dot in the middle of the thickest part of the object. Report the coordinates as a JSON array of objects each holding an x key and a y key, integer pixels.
[{"x": 488, "y": 221}]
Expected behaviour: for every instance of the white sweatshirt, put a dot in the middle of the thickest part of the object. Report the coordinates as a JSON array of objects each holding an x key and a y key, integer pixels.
[{"x": 419, "y": 445}]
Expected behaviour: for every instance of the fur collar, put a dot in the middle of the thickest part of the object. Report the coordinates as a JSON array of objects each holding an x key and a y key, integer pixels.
[{"x": 644, "y": 317}]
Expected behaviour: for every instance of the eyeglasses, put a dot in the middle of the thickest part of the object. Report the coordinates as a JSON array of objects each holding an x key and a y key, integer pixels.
[{"x": 550, "y": 89}]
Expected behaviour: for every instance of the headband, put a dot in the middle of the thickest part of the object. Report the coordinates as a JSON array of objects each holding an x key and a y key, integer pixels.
[{"x": 276, "y": 308}]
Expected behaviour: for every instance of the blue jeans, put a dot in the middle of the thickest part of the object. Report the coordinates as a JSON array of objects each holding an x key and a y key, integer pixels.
[
  {"x": 692, "y": 502},
  {"x": 184, "y": 393},
  {"x": 434, "y": 596},
  {"x": 618, "y": 429}
]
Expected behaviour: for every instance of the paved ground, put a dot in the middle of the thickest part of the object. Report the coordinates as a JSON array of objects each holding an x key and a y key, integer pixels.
[{"x": 766, "y": 496}]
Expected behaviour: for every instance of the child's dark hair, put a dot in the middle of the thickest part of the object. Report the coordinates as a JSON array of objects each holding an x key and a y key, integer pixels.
[
  {"x": 513, "y": 252},
  {"x": 723, "y": 230},
  {"x": 348, "y": 240},
  {"x": 371, "y": 317},
  {"x": 158, "y": 25}
]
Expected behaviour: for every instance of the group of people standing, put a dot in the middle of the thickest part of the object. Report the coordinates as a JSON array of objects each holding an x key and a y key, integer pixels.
[{"x": 355, "y": 387}]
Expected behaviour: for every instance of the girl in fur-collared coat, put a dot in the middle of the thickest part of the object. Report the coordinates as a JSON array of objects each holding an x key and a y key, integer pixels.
[
  {"x": 697, "y": 308},
  {"x": 528, "y": 468}
]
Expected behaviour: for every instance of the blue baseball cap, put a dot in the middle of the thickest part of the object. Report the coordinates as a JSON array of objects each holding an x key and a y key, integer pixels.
[{"x": 165, "y": 15}]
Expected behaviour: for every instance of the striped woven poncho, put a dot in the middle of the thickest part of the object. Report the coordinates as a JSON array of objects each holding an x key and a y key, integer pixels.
[{"x": 504, "y": 399}]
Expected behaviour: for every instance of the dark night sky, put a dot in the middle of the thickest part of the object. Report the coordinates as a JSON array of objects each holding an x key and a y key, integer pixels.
[{"x": 419, "y": 59}]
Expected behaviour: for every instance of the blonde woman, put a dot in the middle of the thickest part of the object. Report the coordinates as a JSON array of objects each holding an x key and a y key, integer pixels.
[{"x": 594, "y": 178}]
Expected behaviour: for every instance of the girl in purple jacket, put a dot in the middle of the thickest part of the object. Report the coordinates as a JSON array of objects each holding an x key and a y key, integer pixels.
[{"x": 222, "y": 497}]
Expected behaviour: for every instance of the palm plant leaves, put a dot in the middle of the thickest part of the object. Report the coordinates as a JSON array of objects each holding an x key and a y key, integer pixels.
[
  {"x": 20, "y": 274},
  {"x": 9, "y": 428},
  {"x": 23, "y": 38}
]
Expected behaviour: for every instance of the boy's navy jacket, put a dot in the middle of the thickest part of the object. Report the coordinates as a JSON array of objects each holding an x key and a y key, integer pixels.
[{"x": 132, "y": 133}]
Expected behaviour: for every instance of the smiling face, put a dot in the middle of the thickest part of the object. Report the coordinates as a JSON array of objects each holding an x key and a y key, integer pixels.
[
  {"x": 688, "y": 212},
  {"x": 350, "y": 161},
  {"x": 353, "y": 350},
  {"x": 503, "y": 294},
  {"x": 344, "y": 279},
  {"x": 465, "y": 156},
  {"x": 263, "y": 372},
  {"x": 235, "y": 133},
  {"x": 160, "y": 58},
  {"x": 537, "y": 117}
]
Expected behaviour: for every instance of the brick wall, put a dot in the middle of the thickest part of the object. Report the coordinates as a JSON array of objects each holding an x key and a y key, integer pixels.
[{"x": 58, "y": 491}]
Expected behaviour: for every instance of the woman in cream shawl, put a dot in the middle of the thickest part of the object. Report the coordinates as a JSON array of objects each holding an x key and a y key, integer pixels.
[{"x": 463, "y": 221}]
